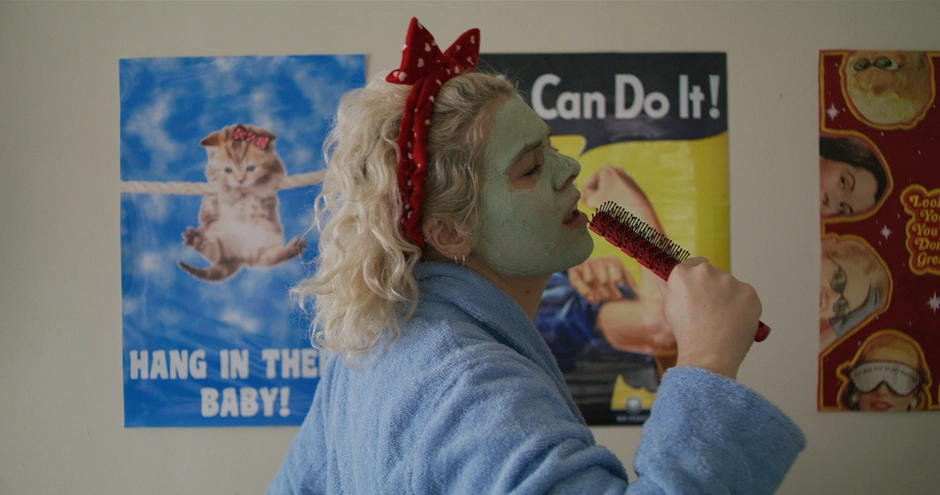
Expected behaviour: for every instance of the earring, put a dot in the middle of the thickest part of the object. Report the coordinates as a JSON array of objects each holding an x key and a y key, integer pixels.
[
  {"x": 463, "y": 260},
  {"x": 913, "y": 403},
  {"x": 853, "y": 399}
]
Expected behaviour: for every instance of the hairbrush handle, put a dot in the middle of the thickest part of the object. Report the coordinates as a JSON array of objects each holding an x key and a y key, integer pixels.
[
  {"x": 763, "y": 331},
  {"x": 645, "y": 244}
]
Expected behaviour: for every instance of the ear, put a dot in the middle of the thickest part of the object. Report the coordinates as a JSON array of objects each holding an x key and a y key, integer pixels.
[
  {"x": 211, "y": 140},
  {"x": 446, "y": 239}
]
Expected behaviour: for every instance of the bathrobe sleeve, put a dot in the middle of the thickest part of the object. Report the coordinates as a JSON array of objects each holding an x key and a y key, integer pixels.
[{"x": 710, "y": 434}]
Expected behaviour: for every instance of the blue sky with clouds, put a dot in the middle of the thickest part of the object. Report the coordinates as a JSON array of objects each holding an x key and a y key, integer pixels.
[{"x": 167, "y": 106}]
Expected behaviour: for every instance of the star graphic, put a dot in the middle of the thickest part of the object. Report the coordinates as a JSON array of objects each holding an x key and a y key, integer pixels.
[
  {"x": 832, "y": 112},
  {"x": 885, "y": 231},
  {"x": 934, "y": 302}
]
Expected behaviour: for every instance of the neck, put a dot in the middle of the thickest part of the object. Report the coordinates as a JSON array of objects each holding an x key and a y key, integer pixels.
[{"x": 524, "y": 289}]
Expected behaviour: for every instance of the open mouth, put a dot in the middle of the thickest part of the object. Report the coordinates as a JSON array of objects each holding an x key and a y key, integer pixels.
[
  {"x": 571, "y": 216},
  {"x": 574, "y": 217}
]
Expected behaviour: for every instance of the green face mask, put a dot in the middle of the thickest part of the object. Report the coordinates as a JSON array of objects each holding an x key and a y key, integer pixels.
[{"x": 530, "y": 224}]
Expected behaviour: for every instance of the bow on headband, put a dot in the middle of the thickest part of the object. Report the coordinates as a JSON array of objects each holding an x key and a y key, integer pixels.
[
  {"x": 242, "y": 134},
  {"x": 425, "y": 68}
]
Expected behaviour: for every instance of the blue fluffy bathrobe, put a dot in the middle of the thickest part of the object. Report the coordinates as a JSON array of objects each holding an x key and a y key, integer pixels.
[{"x": 470, "y": 400}]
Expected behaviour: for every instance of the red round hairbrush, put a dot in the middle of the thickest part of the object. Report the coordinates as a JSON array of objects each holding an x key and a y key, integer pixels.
[{"x": 650, "y": 247}]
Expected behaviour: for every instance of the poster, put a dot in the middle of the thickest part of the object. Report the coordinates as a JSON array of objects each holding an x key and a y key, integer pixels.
[
  {"x": 650, "y": 131},
  {"x": 219, "y": 161},
  {"x": 879, "y": 160}
]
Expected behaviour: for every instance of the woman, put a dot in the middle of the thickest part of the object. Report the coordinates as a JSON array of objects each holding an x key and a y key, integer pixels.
[
  {"x": 888, "y": 374},
  {"x": 440, "y": 382},
  {"x": 851, "y": 178},
  {"x": 603, "y": 327},
  {"x": 637, "y": 324},
  {"x": 853, "y": 284}
]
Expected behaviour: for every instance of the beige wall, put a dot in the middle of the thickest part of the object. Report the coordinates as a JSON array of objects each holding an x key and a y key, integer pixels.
[{"x": 61, "y": 403}]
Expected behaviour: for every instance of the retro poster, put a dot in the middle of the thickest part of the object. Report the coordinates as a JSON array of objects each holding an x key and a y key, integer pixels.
[
  {"x": 650, "y": 131},
  {"x": 879, "y": 190},
  {"x": 219, "y": 166}
]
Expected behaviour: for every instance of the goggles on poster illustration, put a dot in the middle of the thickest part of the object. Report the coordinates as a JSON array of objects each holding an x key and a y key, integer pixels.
[
  {"x": 900, "y": 378},
  {"x": 838, "y": 282}
]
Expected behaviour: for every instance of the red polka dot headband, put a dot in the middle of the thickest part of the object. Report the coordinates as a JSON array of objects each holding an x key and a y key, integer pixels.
[{"x": 425, "y": 68}]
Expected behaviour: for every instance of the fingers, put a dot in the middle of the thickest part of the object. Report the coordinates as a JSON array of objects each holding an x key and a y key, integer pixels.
[
  {"x": 597, "y": 279},
  {"x": 712, "y": 314},
  {"x": 576, "y": 278}
]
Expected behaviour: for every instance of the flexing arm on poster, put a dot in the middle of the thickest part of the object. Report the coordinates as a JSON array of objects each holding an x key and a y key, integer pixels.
[
  {"x": 637, "y": 323},
  {"x": 440, "y": 382}
]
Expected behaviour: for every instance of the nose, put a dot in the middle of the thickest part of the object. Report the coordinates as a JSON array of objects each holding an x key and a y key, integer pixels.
[
  {"x": 831, "y": 199},
  {"x": 882, "y": 389},
  {"x": 564, "y": 167}
]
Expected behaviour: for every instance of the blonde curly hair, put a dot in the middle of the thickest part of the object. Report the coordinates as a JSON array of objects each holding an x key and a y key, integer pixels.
[{"x": 363, "y": 289}]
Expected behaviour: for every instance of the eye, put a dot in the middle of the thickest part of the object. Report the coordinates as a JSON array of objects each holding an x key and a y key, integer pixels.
[
  {"x": 534, "y": 160},
  {"x": 228, "y": 170},
  {"x": 250, "y": 168},
  {"x": 886, "y": 63},
  {"x": 839, "y": 279},
  {"x": 861, "y": 65},
  {"x": 841, "y": 307},
  {"x": 536, "y": 168}
]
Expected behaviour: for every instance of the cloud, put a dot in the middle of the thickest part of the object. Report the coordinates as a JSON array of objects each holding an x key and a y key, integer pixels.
[
  {"x": 149, "y": 125},
  {"x": 236, "y": 318}
]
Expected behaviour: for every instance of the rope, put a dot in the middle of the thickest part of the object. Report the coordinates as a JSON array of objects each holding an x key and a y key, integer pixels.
[{"x": 201, "y": 188}]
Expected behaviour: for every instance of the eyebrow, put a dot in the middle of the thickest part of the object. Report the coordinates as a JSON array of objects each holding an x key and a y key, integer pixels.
[{"x": 526, "y": 149}]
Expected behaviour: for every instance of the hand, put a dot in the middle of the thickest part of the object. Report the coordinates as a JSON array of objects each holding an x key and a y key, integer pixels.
[
  {"x": 611, "y": 183},
  {"x": 712, "y": 315},
  {"x": 597, "y": 278}
]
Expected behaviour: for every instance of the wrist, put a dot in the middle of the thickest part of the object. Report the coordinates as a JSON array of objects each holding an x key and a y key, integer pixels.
[{"x": 718, "y": 364}]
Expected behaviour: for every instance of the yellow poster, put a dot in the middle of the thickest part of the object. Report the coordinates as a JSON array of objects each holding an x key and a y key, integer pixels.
[{"x": 650, "y": 131}]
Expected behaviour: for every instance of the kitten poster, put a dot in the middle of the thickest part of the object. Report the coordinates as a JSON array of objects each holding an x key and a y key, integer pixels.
[
  {"x": 219, "y": 167},
  {"x": 879, "y": 190},
  {"x": 651, "y": 133}
]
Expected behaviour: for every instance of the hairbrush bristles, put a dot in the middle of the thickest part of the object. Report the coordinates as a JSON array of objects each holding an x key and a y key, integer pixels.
[{"x": 647, "y": 245}]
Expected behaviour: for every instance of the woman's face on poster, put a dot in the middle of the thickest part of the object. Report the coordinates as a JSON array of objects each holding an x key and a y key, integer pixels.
[
  {"x": 890, "y": 376},
  {"x": 843, "y": 286},
  {"x": 845, "y": 189}
]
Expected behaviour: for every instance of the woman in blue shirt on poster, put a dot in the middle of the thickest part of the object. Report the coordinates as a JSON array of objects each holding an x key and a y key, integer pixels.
[
  {"x": 439, "y": 232},
  {"x": 607, "y": 330}
]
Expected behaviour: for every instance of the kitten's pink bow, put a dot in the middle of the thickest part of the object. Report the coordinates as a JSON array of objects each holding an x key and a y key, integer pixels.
[
  {"x": 425, "y": 68},
  {"x": 242, "y": 134}
]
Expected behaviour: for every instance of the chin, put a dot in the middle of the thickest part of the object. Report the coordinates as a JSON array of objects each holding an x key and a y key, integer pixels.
[{"x": 580, "y": 251}]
